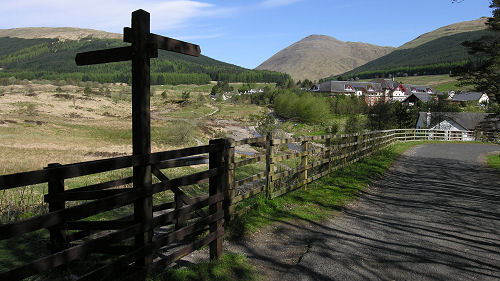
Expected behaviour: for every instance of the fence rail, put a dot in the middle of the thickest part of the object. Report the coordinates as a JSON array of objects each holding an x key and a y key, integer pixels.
[{"x": 281, "y": 166}]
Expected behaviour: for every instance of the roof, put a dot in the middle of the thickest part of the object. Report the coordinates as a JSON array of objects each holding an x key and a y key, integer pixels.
[
  {"x": 468, "y": 120},
  {"x": 339, "y": 86},
  {"x": 467, "y": 96},
  {"x": 424, "y": 97},
  {"x": 386, "y": 83}
]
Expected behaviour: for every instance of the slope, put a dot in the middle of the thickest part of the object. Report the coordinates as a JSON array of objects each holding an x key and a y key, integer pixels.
[
  {"x": 53, "y": 59},
  {"x": 318, "y": 56},
  {"x": 439, "y": 47}
]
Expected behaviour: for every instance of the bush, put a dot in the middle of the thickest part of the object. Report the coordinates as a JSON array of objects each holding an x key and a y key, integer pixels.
[
  {"x": 178, "y": 133},
  {"x": 306, "y": 107}
]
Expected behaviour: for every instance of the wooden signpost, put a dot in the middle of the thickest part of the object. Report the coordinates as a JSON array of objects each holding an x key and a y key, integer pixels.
[{"x": 144, "y": 46}]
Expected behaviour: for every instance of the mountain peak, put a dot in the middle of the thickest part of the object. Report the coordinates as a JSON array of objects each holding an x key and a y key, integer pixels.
[{"x": 318, "y": 56}]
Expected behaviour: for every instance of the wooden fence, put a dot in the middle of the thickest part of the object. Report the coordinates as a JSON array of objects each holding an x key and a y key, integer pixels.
[
  {"x": 76, "y": 232},
  {"x": 292, "y": 163},
  {"x": 185, "y": 224}
]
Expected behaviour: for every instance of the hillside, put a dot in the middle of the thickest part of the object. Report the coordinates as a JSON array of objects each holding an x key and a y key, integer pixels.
[
  {"x": 318, "y": 56},
  {"x": 40, "y": 56},
  {"x": 441, "y": 46},
  {"x": 61, "y": 33}
]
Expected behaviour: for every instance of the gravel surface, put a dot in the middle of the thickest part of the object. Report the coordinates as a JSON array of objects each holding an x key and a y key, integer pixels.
[{"x": 434, "y": 216}]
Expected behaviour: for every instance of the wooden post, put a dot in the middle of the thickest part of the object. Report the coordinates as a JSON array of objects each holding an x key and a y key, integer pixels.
[
  {"x": 269, "y": 165},
  {"x": 179, "y": 223},
  {"x": 141, "y": 129},
  {"x": 216, "y": 186},
  {"x": 304, "y": 162},
  {"x": 229, "y": 209},
  {"x": 57, "y": 234},
  {"x": 328, "y": 146}
]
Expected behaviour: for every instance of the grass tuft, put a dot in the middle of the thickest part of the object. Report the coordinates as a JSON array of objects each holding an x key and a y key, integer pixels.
[
  {"x": 494, "y": 161},
  {"x": 229, "y": 267}
]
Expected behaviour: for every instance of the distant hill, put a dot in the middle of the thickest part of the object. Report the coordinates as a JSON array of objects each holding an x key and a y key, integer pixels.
[
  {"x": 49, "y": 53},
  {"x": 318, "y": 56},
  {"x": 440, "y": 49},
  {"x": 61, "y": 33}
]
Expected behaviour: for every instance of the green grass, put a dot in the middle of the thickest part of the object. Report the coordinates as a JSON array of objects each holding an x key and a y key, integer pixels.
[
  {"x": 229, "y": 267},
  {"x": 494, "y": 161}
]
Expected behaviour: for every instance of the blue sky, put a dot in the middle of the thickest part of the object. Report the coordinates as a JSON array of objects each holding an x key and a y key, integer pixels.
[{"x": 246, "y": 33}]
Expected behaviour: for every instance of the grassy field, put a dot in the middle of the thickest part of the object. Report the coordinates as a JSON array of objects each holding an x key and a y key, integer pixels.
[{"x": 442, "y": 83}]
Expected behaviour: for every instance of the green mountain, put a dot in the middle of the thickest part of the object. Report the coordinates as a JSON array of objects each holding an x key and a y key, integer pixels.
[
  {"x": 435, "y": 52},
  {"x": 318, "y": 56},
  {"x": 49, "y": 53}
]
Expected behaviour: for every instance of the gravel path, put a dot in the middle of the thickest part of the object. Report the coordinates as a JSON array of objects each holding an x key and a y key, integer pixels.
[{"x": 434, "y": 216}]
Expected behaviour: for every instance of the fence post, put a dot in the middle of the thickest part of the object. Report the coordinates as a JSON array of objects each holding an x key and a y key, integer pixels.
[
  {"x": 216, "y": 186},
  {"x": 229, "y": 179},
  {"x": 269, "y": 165},
  {"x": 57, "y": 233},
  {"x": 178, "y": 204},
  {"x": 328, "y": 147},
  {"x": 304, "y": 162}
]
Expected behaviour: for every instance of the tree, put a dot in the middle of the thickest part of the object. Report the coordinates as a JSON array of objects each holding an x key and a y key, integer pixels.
[
  {"x": 381, "y": 116},
  {"x": 485, "y": 71}
]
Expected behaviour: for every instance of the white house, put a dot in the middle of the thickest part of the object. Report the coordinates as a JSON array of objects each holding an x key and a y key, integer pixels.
[{"x": 452, "y": 122}]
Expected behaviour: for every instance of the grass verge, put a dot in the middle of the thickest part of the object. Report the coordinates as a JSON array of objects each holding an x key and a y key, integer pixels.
[
  {"x": 494, "y": 161},
  {"x": 229, "y": 267}
]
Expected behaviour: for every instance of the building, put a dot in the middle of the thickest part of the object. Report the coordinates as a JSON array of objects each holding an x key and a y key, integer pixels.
[
  {"x": 372, "y": 92},
  {"x": 414, "y": 98},
  {"x": 470, "y": 96},
  {"x": 451, "y": 122}
]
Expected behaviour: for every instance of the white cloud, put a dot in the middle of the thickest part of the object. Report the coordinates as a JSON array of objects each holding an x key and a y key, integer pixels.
[
  {"x": 277, "y": 3},
  {"x": 108, "y": 15}
]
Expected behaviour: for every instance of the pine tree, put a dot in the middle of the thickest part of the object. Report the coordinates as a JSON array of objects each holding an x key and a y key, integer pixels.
[{"x": 485, "y": 71}]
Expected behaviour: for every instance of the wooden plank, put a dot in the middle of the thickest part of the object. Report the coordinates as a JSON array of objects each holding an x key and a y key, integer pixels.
[
  {"x": 250, "y": 179},
  {"x": 287, "y": 173},
  {"x": 165, "y": 43},
  {"x": 250, "y": 141},
  {"x": 104, "y": 185},
  {"x": 250, "y": 161},
  {"x": 181, "y": 162},
  {"x": 158, "y": 157},
  {"x": 174, "y": 45},
  {"x": 98, "y": 225},
  {"x": 289, "y": 156},
  {"x": 249, "y": 194},
  {"x": 191, "y": 247},
  {"x": 69, "y": 171},
  {"x": 169, "y": 217},
  {"x": 100, "y": 205},
  {"x": 104, "y": 56},
  {"x": 161, "y": 241},
  {"x": 164, "y": 206},
  {"x": 65, "y": 256},
  {"x": 83, "y": 195}
]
